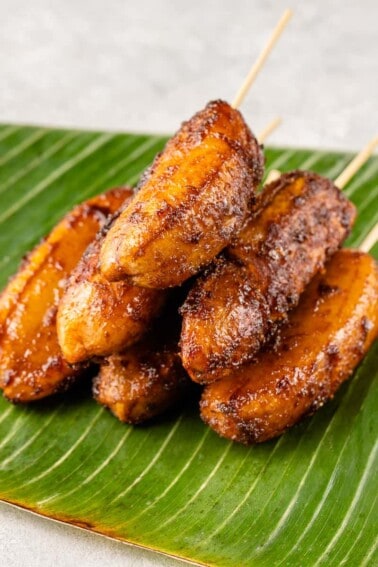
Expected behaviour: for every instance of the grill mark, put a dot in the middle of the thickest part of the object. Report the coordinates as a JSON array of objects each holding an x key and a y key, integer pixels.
[{"x": 176, "y": 214}]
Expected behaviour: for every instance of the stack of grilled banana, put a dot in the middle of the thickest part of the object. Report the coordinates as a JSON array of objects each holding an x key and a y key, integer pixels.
[{"x": 276, "y": 320}]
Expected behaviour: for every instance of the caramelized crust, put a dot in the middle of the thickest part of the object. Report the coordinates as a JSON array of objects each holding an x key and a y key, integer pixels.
[
  {"x": 327, "y": 335},
  {"x": 97, "y": 317},
  {"x": 193, "y": 200},
  {"x": 298, "y": 222},
  {"x": 31, "y": 363},
  {"x": 218, "y": 315},
  {"x": 142, "y": 382}
]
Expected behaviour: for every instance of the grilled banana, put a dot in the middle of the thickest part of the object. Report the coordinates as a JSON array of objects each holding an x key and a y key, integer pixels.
[
  {"x": 97, "y": 317},
  {"x": 325, "y": 338},
  {"x": 298, "y": 222},
  {"x": 31, "y": 362},
  {"x": 146, "y": 379},
  {"x": 193, "y": 200}
]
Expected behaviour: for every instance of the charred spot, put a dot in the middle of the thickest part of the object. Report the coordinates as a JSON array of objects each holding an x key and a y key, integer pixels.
[
  {"x": 273, "y": 231},
  {"x": 292, "y": 299},
  {"x": 101, "y": 213},
  {"x": 366, "y": 326},
  {"x": 7, "y": 378},
  {"x": 194, "y": 236},
  {"x": 250, "y": 431},
  {"x": 283, "y": 345},
  {"x": 50, "y": 316},
  {"x": 282, "y": 385},
  {"x": 124, "y": 362},
  {"x": 333, "y": 352},
  {"x": 299, "y": 201},
  {"x": 326, "y": 290},
  {"x": 104, "y": 229},
  {"x": 136, "y": 215},
  {"x": 359, "y": 346},
  {"x": 252, "y": 201},
  {"x": 332, "y": 349},
  {"x": 300, "y": 235},
  {"x": 225, "y": 408},
  {"x": 322, "y": 397},
  {"x": 147, "y": 173},
  {"x": 347, "y": 217},
  {"x": 314, "y": 181},
  {"x": 164, "y": 209},
  {"x": 234, "y": 144}
]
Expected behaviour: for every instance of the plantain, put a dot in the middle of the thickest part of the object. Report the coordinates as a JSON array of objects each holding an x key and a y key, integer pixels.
[
  {"x": 31, "y": 361},
  {"x": 147, "y": 378},
  {"x": 192, "y": 201},
  {"x": 298, "y": 222},
  {"x": 325, "y": 338},
  {"x": 99, "y": 318}
]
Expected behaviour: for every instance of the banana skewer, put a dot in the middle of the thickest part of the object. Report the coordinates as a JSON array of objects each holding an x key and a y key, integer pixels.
[
  {"x": 325, "y": 338},
  {"x": 98, "y": 318},
  {"x": 31, "y": 362},
  {"x": 193, "y": 200},
  {"x": 299, "y": 221}
]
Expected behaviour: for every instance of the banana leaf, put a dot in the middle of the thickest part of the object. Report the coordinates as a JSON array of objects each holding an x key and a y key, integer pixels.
[{"x": 173, "y": 485}]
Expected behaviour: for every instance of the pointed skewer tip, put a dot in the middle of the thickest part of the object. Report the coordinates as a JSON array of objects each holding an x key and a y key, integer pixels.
[
  {"x": 269, "y": 129},
  {"x": 257, "y": 66},
  {"x": 357, "y": 162}
]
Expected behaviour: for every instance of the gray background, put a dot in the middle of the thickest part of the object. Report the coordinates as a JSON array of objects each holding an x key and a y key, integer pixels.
[{"x": 146, "y": 66}]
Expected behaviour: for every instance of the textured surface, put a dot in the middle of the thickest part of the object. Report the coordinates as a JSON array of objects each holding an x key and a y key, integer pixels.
[
  {"x": 174, "y": 485},
  {"x": 231, "y": 312},
  {"x": 326, "y": 337},
  {"x": 191, "y": 202},
  {"x": 148, "y": 65}
]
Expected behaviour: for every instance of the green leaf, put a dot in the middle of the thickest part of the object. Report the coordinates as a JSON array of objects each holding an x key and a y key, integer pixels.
[{"x": 173, "y": 485}]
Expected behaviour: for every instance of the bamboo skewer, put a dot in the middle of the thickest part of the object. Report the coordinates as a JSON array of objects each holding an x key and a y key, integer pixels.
[
  {"x": 345, "y": 176},
  {"x": 266, "y": 132},
  {"x": 356, "y": 164},
  {"x": 369, "y": 240},
  {"x": 272, "y": 175},
  {"x": 257, "y": 66},
  {"x": 350, "y": 170}
]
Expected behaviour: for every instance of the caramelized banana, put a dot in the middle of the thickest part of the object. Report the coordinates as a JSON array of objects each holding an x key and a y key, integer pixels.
[
  {"x": 327, "y": 335},
  {"x": 144, "y": 381},
  {"x": 193, "y": 200},
  {"x": 97, "y": 317},
  {"x": 31, "y": 363},
  {"x": 298, "y": 222}
]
